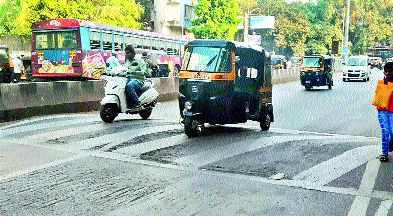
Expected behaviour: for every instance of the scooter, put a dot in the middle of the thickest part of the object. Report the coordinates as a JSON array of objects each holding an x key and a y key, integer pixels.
[{"x": 115, "y": 101}]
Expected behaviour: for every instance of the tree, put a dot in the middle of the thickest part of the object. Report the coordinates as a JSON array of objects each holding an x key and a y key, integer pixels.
[
  {"x": 9, "y": 11},
  {"x": 113, "y": 12},
  {"x": 216, "y": 19}
]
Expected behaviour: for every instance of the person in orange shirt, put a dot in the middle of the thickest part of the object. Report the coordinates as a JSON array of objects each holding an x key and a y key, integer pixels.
[{"x": 385, "y": 117}]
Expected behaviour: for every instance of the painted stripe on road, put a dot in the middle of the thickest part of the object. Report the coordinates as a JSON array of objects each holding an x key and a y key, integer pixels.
[
  {"x": 154, "y": 145},
  {"x": 65, "y": 132},
  {"x": 34, "y": 127},
  {"x": 330, "y": 170},
  {"x": 111, "y": 140},
  {"x": 361, "y": 203},
  {"x": 41, "y": 166},
  {"x": 208, "y": 156},
  {"x": 384, "y": 208}
]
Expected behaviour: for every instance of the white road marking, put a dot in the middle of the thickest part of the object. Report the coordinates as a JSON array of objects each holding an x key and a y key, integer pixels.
[
  {"x": 222, "y": 152},
  {"x": 330, "y": 170},
  {"x": 154, "y": 145},
  {"x": 384, "y": 208},
  {"x": 34, "y": 127},
  {"x": 111, "y": 140},
  {"x": 41, "y": 166},
  {"x": 41, "y": 137},
  {"x": 361, "y": 203}
]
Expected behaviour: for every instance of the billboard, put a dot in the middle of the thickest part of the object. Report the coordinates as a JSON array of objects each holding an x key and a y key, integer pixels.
[{"x": 262, "y": 22}]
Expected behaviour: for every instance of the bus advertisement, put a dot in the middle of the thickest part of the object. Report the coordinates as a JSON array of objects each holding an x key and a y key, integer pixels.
[{"x": 77, "y": 49}]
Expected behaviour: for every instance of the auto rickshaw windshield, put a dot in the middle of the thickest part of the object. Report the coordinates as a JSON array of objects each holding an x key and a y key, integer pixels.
[
  {"x": 312, "y": 62},
  {"x": 206, "y": 59},
  {"x": 3, "y": 56}
]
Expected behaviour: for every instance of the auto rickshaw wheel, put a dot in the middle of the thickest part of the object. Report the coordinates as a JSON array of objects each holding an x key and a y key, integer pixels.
[
  {"x": 265, "y": 121},
  {"x": 108, "y": 113},
  {"x": 330, "y": 85},
  {"x": 190, "y": 127},
  {"x": 307, "y": 87}
]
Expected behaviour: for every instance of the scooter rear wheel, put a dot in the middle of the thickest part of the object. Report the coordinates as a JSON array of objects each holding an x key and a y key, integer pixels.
[
  {"x": 108, "y": 113},
  {"x": 145, "y": 114}
]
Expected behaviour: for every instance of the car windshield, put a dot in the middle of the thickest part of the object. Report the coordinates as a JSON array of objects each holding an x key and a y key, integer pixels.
[
  {"x": 207, "y": 59},
  {"x": 357, "y": 62},
  {"x": 3, "y": 56},
  {"x": 312, "y": 62}
]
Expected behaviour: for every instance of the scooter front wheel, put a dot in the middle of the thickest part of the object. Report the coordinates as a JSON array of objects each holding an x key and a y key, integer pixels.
[{"x": 108, "y": 113}]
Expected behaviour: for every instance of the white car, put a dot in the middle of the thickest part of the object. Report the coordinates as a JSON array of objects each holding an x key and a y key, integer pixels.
[{"x": 357, "y": 68}]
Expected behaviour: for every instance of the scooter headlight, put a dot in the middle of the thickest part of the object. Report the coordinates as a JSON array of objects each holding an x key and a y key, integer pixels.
[{"x": 188, "y": 105}]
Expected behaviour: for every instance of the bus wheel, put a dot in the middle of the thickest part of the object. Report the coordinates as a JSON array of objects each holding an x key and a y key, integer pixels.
[
  {"x": 108, "y": 113},
  {"x": 265, "y": 121},
  {"x": 190, "y": 127}
]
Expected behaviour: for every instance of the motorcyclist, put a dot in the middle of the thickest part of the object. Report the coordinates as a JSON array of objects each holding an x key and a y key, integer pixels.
[{"x": 137, "y": 73}]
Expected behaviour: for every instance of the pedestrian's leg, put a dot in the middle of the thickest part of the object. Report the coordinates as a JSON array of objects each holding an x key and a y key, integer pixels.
[
  {"x": 390, "y": 115},
  {"x": 385, "y": 128}
]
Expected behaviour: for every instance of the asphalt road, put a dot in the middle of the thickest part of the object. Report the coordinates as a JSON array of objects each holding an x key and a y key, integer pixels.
[{"x": 319, "y": 158}]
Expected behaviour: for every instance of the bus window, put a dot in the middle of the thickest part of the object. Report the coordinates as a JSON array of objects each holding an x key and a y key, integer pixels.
[
  {"x": 94, "y": 39},
  {"x": 118, "y": 39},
  {"x": 107, "y": 40},
  {"x": 67, "y": 40},
  {"x": 45, "y": 40}
]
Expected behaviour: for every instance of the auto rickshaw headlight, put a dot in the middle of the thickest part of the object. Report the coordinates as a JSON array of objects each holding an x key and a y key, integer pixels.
[{"x": 188, "y": 105}]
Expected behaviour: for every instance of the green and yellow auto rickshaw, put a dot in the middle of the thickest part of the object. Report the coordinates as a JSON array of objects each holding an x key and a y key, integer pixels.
[
  {"x": 224, "y": 82},
  {"x": 316, "y": 71}
]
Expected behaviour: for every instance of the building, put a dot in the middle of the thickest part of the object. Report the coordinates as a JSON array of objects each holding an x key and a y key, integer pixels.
[{"x": 172, "y": 17}]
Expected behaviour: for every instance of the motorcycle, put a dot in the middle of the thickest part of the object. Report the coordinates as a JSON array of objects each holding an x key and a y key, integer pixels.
[{"x": 115, "y": 101}]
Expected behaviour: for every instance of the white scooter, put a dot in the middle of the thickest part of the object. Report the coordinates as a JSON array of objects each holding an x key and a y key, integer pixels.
[{"x": 115, "y": 101}]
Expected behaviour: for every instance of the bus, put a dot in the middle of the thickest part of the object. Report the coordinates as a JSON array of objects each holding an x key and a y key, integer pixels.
[{"x": 67, "y": 48}]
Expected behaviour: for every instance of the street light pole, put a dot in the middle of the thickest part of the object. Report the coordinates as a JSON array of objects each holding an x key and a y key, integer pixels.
[
  {"x": 245, "y": 27},
  {"x": 347, "y": 25}
]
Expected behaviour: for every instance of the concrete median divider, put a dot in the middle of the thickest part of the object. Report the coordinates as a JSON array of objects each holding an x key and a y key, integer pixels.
[
  {"x": 285, "y": 75},
  {"x": 23, "y": 100}
]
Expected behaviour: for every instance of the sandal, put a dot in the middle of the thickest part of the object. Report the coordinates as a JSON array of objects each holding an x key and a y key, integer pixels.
[{"x": 384, "y": 158}]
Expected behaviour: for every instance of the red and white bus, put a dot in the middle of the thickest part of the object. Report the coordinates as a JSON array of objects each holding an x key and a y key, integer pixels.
[{"x": 77, "y": 49}]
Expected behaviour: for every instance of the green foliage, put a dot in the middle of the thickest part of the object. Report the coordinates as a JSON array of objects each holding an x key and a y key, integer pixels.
[
  {"x": 25, "y": 13},
  {"x": 311, "y": 27},
  {"x": 216, "y": 19},
  {"x": 9, "y": 11}
]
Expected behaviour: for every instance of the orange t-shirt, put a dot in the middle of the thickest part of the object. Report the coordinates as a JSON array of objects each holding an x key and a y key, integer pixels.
[{"x": 385, "y": 92}]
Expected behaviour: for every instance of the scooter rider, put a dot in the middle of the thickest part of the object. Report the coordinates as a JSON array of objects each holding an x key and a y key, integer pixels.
[{"x": 137, "y": 72}]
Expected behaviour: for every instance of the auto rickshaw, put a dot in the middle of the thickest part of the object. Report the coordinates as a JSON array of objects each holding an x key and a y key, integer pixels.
[
  {"x": 224, "y": 82},
  {"x": 316, "y": 71},
  {"x": 6, "y": 66}
]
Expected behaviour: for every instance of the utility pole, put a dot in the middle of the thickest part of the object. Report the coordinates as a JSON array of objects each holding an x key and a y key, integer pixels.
[
  {"x": 347, "y": 27},
  {"x": 245, "y": 27}
]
